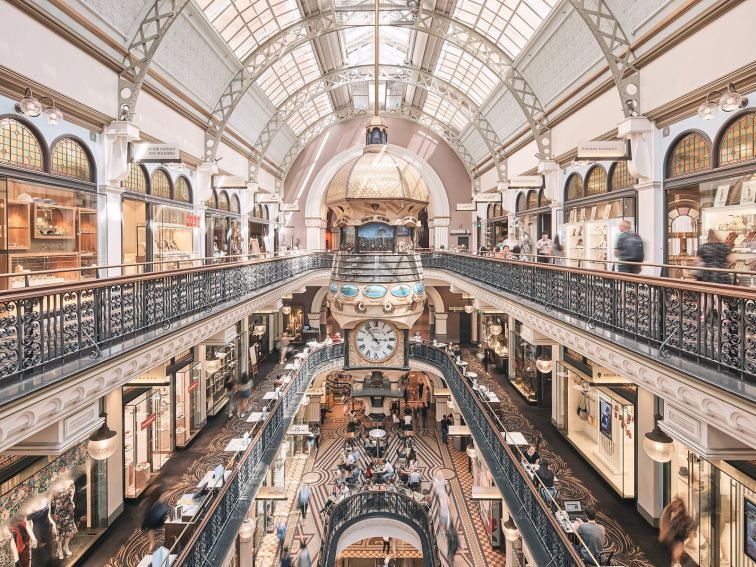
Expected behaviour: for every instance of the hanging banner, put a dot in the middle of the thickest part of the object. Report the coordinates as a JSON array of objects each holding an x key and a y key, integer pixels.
[
  {"x": 604, "y": 150},
  {"x": 146, "y": 152},
  {"x": 465, "y": 206},
  {"x": 526, "y": 182}
]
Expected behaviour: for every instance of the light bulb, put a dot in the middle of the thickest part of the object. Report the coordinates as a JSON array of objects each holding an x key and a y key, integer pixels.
[
  {"x": 30, "y": 105},
  {"x": 469, "y": 308},
  {"x": 731, "y": 100},
  {"x": 708, "y": 110},
  {"x": 54, "y": 115}
]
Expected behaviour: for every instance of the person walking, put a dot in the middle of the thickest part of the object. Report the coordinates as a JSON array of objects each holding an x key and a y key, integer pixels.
[
  {"x": 285, "y": 557},
  {"x": 544, "y": 248},
  {"x": 303, "y": 558},
  {"x": 628, "y": 248},
  {"x": 281, "y": 535},
  {"x": 283, "y": 347},
  {"x": 444, "y": 430},
  {"x": 675, "y": 528},
  {"x": 558, "y": 252},
  {"x": 420, "y": 388},
  {"x": 386, "y": 545},
  {"x": 304, "y": 499},
  {"x": 405, "y": 394},
  {"x": 155, "y": 514},
  {"x": 230, "y": 386},
  {"x": 715, "y": 254},
  {"x": 424, "y": 415}
]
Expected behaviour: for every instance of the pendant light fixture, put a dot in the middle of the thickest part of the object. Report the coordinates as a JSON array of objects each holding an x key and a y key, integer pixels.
[
  {"x": 657, "y": 444},
  {"x": 544, "y": 364},
  {"x": 495, "y": 329},
  {"x": 103, "y": 442},
  {"x": 286, "y": 309}
]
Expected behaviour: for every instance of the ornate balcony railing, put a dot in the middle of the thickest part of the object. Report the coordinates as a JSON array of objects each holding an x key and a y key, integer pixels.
[
  {"x": 708, "y": 324},
  {"x": 387, "y": 267},
  {"x": 207, "y": 541},
  {"x": 44, "y": 327},
  {"x": 534, "y": 517},
  {"x": 369, "y": 504}
]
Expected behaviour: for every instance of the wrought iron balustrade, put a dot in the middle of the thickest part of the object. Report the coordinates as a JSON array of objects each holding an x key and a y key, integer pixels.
[
  {"x": 378, "y": 504},
  {"x": 709, "y": 324},
  {"x": 215, "y": 533},
  {"x": 44, "y": 327}
]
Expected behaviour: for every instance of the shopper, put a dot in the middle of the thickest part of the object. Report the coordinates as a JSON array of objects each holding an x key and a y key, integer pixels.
[
  {"x": 303, "y": 558},
  {"x": 405, "y": 394},
  {"x": 558, "y": 252},
  {"x": 424, "y": 415},
  {"x": 629, "y": 248},
  {"x": 444, "y": 430},
  {"x": 155, "y": 514},
  {"x": 283, "y": 347},
  {"x": 304, "y": 499},
  {"x": 386, "y": 545},
  {"x": 230, "y": 387},
  {"x": 244, "y": 394},
  {"x": 285, "y": 557},
  {"x": 544, "y": 248},
  {"x": 715, "y": 254},
  {"x": 546, "y": 476},
  {"x": 592, "y": 534},
  {"x": 675, "y": 527},
  {"x": 281, "y": 535}
]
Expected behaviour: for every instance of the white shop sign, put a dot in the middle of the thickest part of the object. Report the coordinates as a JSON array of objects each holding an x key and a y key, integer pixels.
[
  {"x": 289, "y": 207},
  {"x": 488, "y": 197},
  {"x": 267, "y": 198},
  {"x": 146, "y": 152},
  {"x": 229, "y": 182},
  {"x": 604, "y": 150},
  {"x": 465, "y": 206},
  {"x": 526, "y": 181}
]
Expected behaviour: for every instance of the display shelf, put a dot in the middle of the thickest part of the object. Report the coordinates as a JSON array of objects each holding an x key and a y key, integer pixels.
[
  {"x": 54, "y": 222},
  {"x": 87, "y": 231},
  {"x": 19, "y": 217}
]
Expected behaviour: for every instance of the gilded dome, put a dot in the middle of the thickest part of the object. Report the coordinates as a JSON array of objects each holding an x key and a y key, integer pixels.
[{"x": 377, "y": 175}]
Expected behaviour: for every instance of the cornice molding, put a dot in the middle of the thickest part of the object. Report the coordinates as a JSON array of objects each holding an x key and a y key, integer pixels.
[
  {"x": 32, "y": 413},
  {"x": 715, "y": 407}
]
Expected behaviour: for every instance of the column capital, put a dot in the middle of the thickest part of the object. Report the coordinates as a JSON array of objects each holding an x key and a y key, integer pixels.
[
  {"x": 634, "y": 125},
  {"x": 441, "y": 316},
  {"x": 118, "y": 134},
  {"x": 640, "y": 131}
]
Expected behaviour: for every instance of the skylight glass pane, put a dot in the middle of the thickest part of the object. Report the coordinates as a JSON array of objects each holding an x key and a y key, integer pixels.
[
  {"x": 510, "y": 23},
  {"x": 466, "y": 72},
  {"x": 310, "y": 113},
  {"x": 359, "y": 44},
  {"x": 245, "y": 24},
  {"x": 446, "y": 112},
  {"x": 289, "y": 73}
]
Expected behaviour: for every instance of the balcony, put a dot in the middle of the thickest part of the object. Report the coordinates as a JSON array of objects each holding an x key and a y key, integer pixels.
[{"x": 377, "y": 268}]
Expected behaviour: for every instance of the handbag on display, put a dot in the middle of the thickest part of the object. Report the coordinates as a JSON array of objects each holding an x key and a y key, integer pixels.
[{"x": 582, "y": 409}]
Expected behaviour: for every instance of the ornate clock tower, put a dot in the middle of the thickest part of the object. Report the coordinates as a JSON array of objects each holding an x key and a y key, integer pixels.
[{"x": 376, "y": 292}]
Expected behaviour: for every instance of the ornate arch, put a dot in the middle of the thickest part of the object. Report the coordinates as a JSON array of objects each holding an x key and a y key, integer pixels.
[
  {"x": 70, "y": 157},
  {"x": 691, "y": 152},
  {"x": 21, "y": 144}
]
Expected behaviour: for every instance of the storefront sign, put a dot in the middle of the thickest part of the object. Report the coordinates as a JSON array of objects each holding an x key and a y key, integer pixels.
[
  {"x": 289, "y": 207},
  {"x": 465, "y": 206},
  {"x": 526, "y": 181},
  {"x": 149, "y": 420},
  {"x": 229, "y": 182},
  {"x": 145, "y": 152},
  {"x": 267, "y": 198},
  {"x": 488, "y": 197},
  {"x": 192, "y": 221},
  {"x": 299, "y": 429},
  {"x": 604, "y": 149},
  {"x": 193, "y": 386}
]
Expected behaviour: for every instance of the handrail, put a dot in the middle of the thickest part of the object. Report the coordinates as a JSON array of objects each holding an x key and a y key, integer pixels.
[
  {"x": 370, "y": 503},
  {"x": 709, "y": 324},
  {"x": 538, "y": 525},
  {"x": 197, "y": 543},
  {"x": 48, "y": 326}
]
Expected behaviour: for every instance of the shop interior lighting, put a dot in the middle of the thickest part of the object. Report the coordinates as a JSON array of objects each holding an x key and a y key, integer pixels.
[
  {"x": 495, "y": 329},
  {"x": 286, "y": 309},
  {"x": 658, "y": 445},
  {"x": 32, "y": 106}
]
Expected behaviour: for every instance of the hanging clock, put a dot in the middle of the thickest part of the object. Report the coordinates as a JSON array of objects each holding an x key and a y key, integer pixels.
[{"x": 376, "y": 342}]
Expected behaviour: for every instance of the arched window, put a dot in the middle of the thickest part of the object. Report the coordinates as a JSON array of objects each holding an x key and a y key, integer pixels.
[
  {"x": 212, "y": 202},
  {"x": 690, "y": 155},
  {"x": 161, "y": 184},
  {"x": 223, "y": 202},
  {"x": 543, "y": 200},
  {"x": 235, "y": 205},
  {"x": 595, "y": 181},
  {"x": 137, "y": 179},
  {"x": 620, "y": 177},
  {"x": 520, "y": 205},
  {"x": 69, "y": 158},
  {"x": 738, "y": 143},
  {"x": 182, "y": 191},
  {"x": 532, "y": 200},
  {"x": 574, "y": 187},
  {"x": 19, "y": 146}
]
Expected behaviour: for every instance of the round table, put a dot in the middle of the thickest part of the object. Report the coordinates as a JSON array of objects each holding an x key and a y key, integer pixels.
[
  {"x": 471, "y": 375},
  {"x": 377, "y": 434}
]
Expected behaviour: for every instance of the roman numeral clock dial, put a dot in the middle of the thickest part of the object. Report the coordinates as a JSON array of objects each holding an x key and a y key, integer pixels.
[{"x": 375, "y": 340}]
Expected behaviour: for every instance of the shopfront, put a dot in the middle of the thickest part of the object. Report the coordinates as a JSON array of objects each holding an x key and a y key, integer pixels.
[
  {"x": 259, "y": 230},
  {"x": 721, "y": 497},
  {"x": 223, "y": 225},
  {"x": 159, "y": 222},
  {"x": 533, "y": 218},
  {"x": 593, "y": 211},
  {"x": 222, "y": 363},
  {"x": 497, "y": 226},
  {"x": 49, "y": 208},
  {"x": 494, "y": 340},
  {"x": 711, "y": 193},
  {"x": 524, "y": 373},
  {"x": 595, "y": 410},
  {"x": 259, "y": 340},
  {"x": 61, "y": 499}
]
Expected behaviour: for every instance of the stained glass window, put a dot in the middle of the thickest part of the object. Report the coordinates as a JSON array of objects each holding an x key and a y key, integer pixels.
[
  {"x": 520, "y": 205},
  {"x": 595, "y": 183},
  {"x": 621, "y": 178},
  {"x": 182, "y": 190},
  {"x": 690, "y": 155},
  {"x": 737, "y": 144},
  {"x": 235, "y": 205},
  {"x": 532, "y": 199},
  {"x": 574, "y": 188},
  {"x": 161, "y": 184},
  {"x": 212, "y": 202},
  {"x": 543, "y": 200},
  {"x": 18, "y": 145},
  {"x": 223, "y": 203},
  {"x": 137, "y": 179},
  {"x": 70, "y": 159}
]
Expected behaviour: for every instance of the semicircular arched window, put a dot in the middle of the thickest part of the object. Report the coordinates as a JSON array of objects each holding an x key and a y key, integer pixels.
[
  {"x": 223, "y": 202},
  {"x": 620, "y": 177},
  {"x": 136, "y": 180},
  {"x": 532, "y": 200},
  {"x": 19, "y": 146},
  {"x": 69, "y": 158},
  {"x": 543, "y": 200},
  {"x": 520, "y": 204},
  {"x": 161, "y": 184},
  {"x": 738, "y": 143},
  {"x": 596, "y": 181},
  {"x": 182, "y": 191},
  {"x": 212, "y": 202},
  {"x": 235, "y": 205},
  {"x": 574, "y": 187},
  {"x": 691, "y": 154}
]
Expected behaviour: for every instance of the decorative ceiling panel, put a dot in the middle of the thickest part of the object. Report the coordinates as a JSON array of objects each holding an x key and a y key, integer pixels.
[
  {"x": 251, "y": 115},
  {"x": 505, "y": 115},
  {"x": 475, "y": 144},
  {"x": 121, "y": 14}
]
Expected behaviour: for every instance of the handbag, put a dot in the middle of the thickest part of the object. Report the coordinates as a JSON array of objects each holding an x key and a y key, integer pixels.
[
  {"x": 591, "y": 417},
  {"x": 582, "y": 409}
]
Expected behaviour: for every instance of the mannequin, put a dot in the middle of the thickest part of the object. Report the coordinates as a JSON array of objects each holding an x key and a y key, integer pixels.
[
  {"x": 43, "y": 529},
  {"x": 8, "y": 550},
  {"x": 25, "y": 540},
  {"x": 62, "y": 511}
]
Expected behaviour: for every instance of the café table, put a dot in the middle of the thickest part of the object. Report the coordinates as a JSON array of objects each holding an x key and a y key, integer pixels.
[
  {"x": 514, "y": 438},
  {"x": 147, "y": 561},
  {"x": 270, "y": 396},
  {"x": 255, "y": 417},
  {"x": 237, "y": 444}
]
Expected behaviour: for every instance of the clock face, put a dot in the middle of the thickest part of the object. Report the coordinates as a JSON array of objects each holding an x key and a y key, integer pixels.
[{"x": 375, "y": 340}]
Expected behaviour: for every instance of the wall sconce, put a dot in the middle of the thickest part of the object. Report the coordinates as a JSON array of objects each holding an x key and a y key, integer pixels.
[
  {"x": 729, "y": 100},
  {"x": 32, "y": 106}
]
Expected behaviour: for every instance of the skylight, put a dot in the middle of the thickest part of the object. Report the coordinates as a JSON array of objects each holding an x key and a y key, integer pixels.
[
  {"x": 446, "y": 112},
  {"x": 310, "y": 113},
  {"x": 289, "y": 73},
  {"x": 359, "y": 44},
  {"x": 466, "y": 72}
]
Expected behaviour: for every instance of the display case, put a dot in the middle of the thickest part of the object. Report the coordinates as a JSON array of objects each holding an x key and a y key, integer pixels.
[
  {"x": 189, "y": 418},
  {"x": 144, "y": 454},
  {"x": 54, "y": 222},
  {"x": 19, "y": 218},
  {"x": 226, "y": 358}
]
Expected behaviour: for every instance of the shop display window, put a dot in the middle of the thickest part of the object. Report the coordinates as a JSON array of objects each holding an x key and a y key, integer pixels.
[
  {"x": 596, "y": 413},
  {"x": 221, "y": 364},
  {"x": 189, "y": 415},
  {"x": 146, "y": 436},
  {"x": 173, "y": 235},
  {"x": 722, "y": 500},
  {"x": 48, "y": 229}
]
